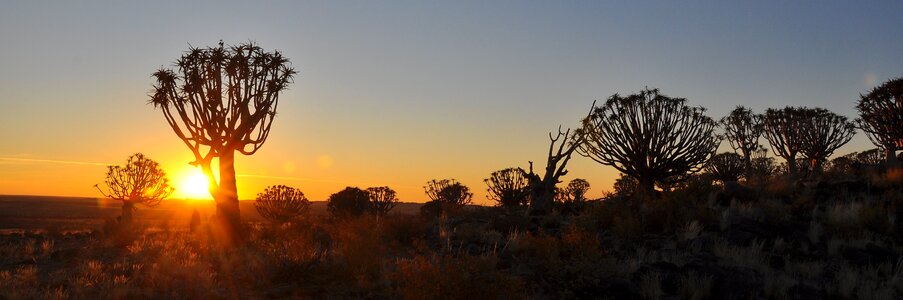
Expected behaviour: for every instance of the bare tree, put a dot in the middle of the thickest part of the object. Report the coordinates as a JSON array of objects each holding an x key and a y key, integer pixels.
[
  {"x": 881, "y": 117},
  {"x": 823, "y": 133},
  {"x": 382, "y": 200},
  {"x": 508, "y": 187},
  {"x": 139, "y": 181},
  {"x": 281, "y": 204},
  {"x": 542, "y": 189},
  {"x": 222, "y": 100},
  {"x": 726, "y": 167},
  {"x": 742, "y": 129},
  {"x": 649, "y": 136},
  {"x": 783, "y": 129}
]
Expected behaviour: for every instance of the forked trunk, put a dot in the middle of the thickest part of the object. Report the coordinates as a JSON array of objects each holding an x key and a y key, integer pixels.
[{"x": 227, "y": 212}]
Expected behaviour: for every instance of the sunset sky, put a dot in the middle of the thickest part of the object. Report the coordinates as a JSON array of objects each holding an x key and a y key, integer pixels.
[{"x": 398, "y": 93}]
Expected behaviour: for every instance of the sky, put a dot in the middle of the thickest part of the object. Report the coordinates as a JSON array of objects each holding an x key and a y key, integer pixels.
[{"x": 398, "y": 93}]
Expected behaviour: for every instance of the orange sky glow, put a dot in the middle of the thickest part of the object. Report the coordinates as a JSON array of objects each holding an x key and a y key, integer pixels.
[{"x": 396, "y": 94}]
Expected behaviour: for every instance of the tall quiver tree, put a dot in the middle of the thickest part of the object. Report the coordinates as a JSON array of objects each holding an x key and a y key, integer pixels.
[
  {"x": 649, "y": 136},
  {"x": 742, "y": 129},
  {"x": 783, "y": 129},
  {"x": 222, "y": 100},
  {"x": 822, "y": 133},
  {"x": 881, "y": 117},
  {"x": 139, "y": 181}
]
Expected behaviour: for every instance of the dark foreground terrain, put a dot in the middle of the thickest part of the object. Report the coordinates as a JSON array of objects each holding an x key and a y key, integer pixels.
[{"x": 830, "y": 238}]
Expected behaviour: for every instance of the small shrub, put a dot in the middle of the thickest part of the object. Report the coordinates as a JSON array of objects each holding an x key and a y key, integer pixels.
[
  {"x": 447, "y": 277},
  {"x": 348, "y": 203}
]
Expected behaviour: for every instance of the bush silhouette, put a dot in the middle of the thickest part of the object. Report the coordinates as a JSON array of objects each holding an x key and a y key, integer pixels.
[
  {"x": 881, "y": 117},
  {"x": 348, "y": 203},
  {"x": 508, "y": 187},
  {"x": 382, "y": 200},
  {"x": 223, "y": 100},
  {"x": 281, "y": 204},
  {"x": 140, "y": 181},
  {"x": 649, "y": 136},
  {"x": 726, "y": 167}
]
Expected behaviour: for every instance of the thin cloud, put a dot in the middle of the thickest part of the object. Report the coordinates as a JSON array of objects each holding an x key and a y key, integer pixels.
[{"x": 51, "y": 161}]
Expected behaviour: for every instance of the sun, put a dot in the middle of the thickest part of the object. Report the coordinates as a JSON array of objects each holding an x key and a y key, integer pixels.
[{"x": 194, "y": 185}]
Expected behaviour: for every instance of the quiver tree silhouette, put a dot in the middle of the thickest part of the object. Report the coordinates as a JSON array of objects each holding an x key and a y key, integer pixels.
[
  {"x": 542, "y": 189},
  {"x": 575, "y": 192},
  {"x": 446, "y": 195},
  {"x": 726, "y": 167},
  {"x": 822, "y": 133},
  {"x": 508, "y": 187},
  {"x": 762, "y": 165},
  {"x": 382, "y": 200},
  {"x": 881, "y": 117},
  {"x": 351, "y": 202},
  {"x": 219, "y": 101},
  {"x": 139, "y": 181},
  {"x": 783, "y": 129},
  {"x": 870, "y": 157},
  {"x": 625, "y": 185},
  {"x": 281, "y": 204},
  {"x": 742, "y": 129},
  {"x": 649, "y": 136}
]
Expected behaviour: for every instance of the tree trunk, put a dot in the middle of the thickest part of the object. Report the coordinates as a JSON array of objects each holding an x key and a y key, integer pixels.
[
  {"x": 127, "y": 208},
  {"x": 815, "y": 166},
  {"x": 890, "y": 156},
  {"x": 227, "y": 211},
  {"x": 542, "y": 197},
  {"x": 791, "y": 165},
  {"x": 747, "y": 166},
  {"x": 645, "y": 188}
]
